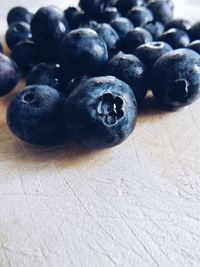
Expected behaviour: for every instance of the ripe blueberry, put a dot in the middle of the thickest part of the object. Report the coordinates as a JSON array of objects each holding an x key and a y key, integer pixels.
[
  {"x": 101, "y": 112},
  {"x": 9, "y": 74},
  {"x": 35, "y": 115},
  {"x": 175, "y": 78}
]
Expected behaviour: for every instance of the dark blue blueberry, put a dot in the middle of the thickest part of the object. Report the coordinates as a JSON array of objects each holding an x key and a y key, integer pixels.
[
  {"x": 89, "y": 23},
  {"x": 108, "y": 34},
  {"x": 1, "y": 48},
  {"x": 149, "y": 53},
  {"x": 195, "y": 45},
  {"x": 94, "y": 8},
  {"x": 73, "y": 83},
  {"x": 175, "y": 78},
  {"x": 19, "y": 14},
  {"x": 82, "y": 52},
  {"x": 131, "y": 70},
  {"x": 134, "y": 38},
  {"x": 35, "y": 115},
  {"x": 46, "y": 74},
  {"x": 109, "y": 14},
  {"x": 122, "y": 26},
  {"x": 125, "y": 5},
  {"x": 9, "y": 74},
  {"x": 49, "y": 27},
  {"x": 156, "y": 29},
  {"x": 162, "y": 10},
  {"x": 17, "y": 32},
  {"x": 74, "y": 17},
  {"x": 176, "y": 38},
  {"x": 26, "y": 55},
  {"x": 181, "y": 24},
  {"x": 140, "y": 16},
  {"x": 114, "y": 52},
  {"x": 101, "y": 112},
  {"x": 195, "y": 31}
]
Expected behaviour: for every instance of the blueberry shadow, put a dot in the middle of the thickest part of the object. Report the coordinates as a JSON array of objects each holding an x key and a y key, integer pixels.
[{"x": 150, "y": 107}]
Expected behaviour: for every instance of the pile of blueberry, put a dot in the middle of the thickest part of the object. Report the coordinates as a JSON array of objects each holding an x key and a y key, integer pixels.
[{"x": 87, "y": 69}]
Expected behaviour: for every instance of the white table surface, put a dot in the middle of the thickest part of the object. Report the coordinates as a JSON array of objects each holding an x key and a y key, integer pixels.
[{"x": 137, "y": 205}]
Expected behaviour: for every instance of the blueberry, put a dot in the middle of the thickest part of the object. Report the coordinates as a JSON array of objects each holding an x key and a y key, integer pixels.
[
  {"x": 1, "y": 48},
  {"x": 82, "y": 52},
  {"x": 175, "y": 78},
  {"x": 156, "y": 29},
  {"x": 108, "y": 34},
  {"x": 181, "y": 24},
  {"x": 35, "y": 115},
  {"x": 94, "y": 8},
  {"x": 9, "y": 74},
  {"x": 74, "y": 17},
  {"x": 195, "y": 31},
  {"x": 109, "y": 14},
  {"x": 19, "y": 14},
  {"x": 149, "y": 53},
  {"x": 89, "y": 23},
  {"x": 161, "y": 9},
  {"x": 176, "y": 38},
  {"x": 122, "y": 26},
  {"x": 125, "y": 5},
  {"x": 73, "y": 83},
  {"x": 17, "y": 32},
  {"x": 140, "y": 16},
  {"x": 131, "y": 70},
  {"x": 134, "y": 38},
  {"x": 195, "y": 45},
  {"x": 101, "y": 112},
  {"x": 49, "y": 27},
  {"x": 26, "y": 56},
  {"x": 46, "y": 74}
]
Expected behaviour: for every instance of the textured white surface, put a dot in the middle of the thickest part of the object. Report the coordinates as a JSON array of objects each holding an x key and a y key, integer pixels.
[{"x": 137, "y": 205}]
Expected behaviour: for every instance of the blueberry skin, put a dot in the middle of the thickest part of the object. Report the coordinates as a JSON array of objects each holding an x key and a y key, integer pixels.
[
  {"x": 17, "y": 32},
  {"x": 162, "y": 10},
  {"x": 176, "y": 38},
  {"x": 49, "y": 27},
  {"x": 9, "y": 74},
  {"x": 19, "y": 14},
  {"x": 109, "y": 14},
  {"x": 195, "y": 31},
  {"x": 101, "y": 112},
  {"x": 181, "y": 24},
  {"x": 140, "y": 16},
  {"x": 82, "y": 52},
  {"x": 74, "y": 17},
  {"x": 46, "y": 74},
  {"x": 131, "y": 70},
  {"x": 73, "y": 83},
  {"x": 195, "y": 45},
  {"x": 133, "y": 39},
  {"x": 35, "y": 115},
  {"x": 175, "y": 78},
  {"x": 108, "y": 34},
  {"x": 155, "y": 28},
  {"x": 149, "y": 53},
  {"x": 26, "y": 55},
  {"x": 94, "y": 8},
  {"x": 125, "y": 5},
  {"x": 122, "y": 26}
]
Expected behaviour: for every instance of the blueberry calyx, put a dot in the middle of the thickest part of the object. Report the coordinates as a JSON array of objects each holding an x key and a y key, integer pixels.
[
  {"x": 178, "y": 90},
  {"x": 29, "y": 97},
  {"x": 111, "y": 108}
]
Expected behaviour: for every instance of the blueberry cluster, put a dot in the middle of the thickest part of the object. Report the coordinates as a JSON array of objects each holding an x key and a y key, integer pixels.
[{"x": 87, "y": 69}]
